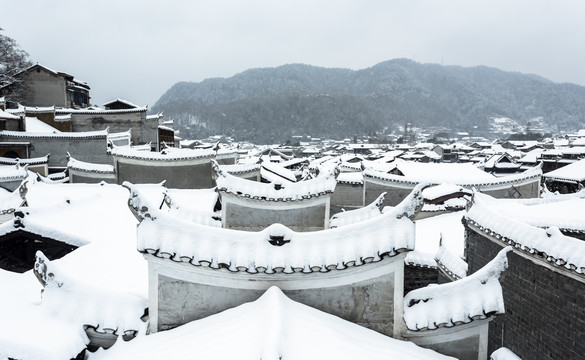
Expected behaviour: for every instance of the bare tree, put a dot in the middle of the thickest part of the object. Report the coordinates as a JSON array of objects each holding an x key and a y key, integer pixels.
[{"x": 12, "y": 61}]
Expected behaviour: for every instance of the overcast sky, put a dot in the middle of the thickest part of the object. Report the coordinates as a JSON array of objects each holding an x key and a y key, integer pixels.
[{"x": 136, "y": 50}]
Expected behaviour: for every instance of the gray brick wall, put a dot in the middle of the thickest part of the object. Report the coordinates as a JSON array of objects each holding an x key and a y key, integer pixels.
[{"x": 545, "y": 310}]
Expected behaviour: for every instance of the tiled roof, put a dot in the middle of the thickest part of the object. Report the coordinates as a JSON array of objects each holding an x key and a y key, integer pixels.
[
  {"x": 276, "y": 248},
  {"x": 475, "y": 297}
]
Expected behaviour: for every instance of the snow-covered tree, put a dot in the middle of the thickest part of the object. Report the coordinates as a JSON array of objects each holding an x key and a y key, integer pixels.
[{"x": 12, "y": 61}]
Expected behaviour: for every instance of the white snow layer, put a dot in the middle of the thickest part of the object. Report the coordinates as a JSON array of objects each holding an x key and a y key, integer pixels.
[
  {"x": 104, "y": 282},
  {"x": 270, "y": 328}
]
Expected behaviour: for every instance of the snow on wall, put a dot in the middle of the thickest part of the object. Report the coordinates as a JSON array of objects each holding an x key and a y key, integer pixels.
[
  {"x": 475, "y": 297},
  {"x": 550, "y": 245},
  {"x": 353, "y": 216},
  {"x": 89, "y": 167},
  {"x": 275, "y": 248},
  {"x": 322, "y": 185}
]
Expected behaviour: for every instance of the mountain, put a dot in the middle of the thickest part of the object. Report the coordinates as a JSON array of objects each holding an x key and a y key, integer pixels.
[{"x": 270, "y": 105}]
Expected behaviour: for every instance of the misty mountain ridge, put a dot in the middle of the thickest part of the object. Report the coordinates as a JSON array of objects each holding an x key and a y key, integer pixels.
[{"x": 269, "y": 105}]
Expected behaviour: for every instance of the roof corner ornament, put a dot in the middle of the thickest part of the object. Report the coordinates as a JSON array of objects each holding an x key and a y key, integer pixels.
[
  {"x": 43, "y": 271},
  {"x": 136, "y": 204},
  {"x": 413, "y": 203}
]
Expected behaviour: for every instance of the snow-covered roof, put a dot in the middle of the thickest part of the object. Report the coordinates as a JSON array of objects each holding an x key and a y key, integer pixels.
[
  {"x": 475, "y": 297},
  {"x": 461, "y": 174},
  {"x": 79, "y": 165},
  {"x": 7, "y": 115},
  {"x": 86, "y": 303},
  {"x": 276, "y": 171},
  {"x": 282, "y": 191},
  {"x": 354, "y": 178},
  {"x": 59, "y": 135},
  {"x": 13, "y": 172},
  {"x": 563, "y": 212},
  {"x": 120, "y": 101},
  {"x": 548, "y": 245},
  {"x": 193, "y": 211},
  {"x": 97, "y": 111},
  {"x": 276, "y": 248},
  {"x": 276, "y": 327},
  {"x": 166, "y": 155},
  {"x": 429, "y": 234},
  {"x": 452, "y": 265},
  {"x": 238, "y": 169},
  {"x": 31, "y": 161},
  {"x": 105, "y": 282},
  {"x": 435, "y": 192},
  {"x": 353, "y": 216},
  {"x": 572, "y": 172},
  {"x": 35, "y": 125}
]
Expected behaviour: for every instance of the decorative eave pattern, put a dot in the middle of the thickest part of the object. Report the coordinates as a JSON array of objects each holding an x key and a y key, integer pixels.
[
  {"x": 548, "y": 245},
  {"x": 303, "y": 190},
  {"x": 11, "y": 173},
  {"x": 475, "y": 297},
  {"x": 276, "y": 249}
]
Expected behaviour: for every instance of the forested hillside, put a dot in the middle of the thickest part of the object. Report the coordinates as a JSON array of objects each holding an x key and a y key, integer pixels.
[{"x": 269, "y": 105}]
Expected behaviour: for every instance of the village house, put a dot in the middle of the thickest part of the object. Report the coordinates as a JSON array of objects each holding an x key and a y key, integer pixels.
[{"x": 46, "y": 87}]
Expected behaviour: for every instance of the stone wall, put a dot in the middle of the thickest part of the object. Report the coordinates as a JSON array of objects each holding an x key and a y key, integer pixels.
[
  {"x": 525, "y": 191},
  {"x": 393, "y": 197},
  {"x": 178, "y": 175},
  {"x": 545, "y": 309},
  {"x": 248, "y": 218},
  {"x": 78, "y": 177},
  {"x": 348, "y": 196},
  {"x": 369, "y": 303}
]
